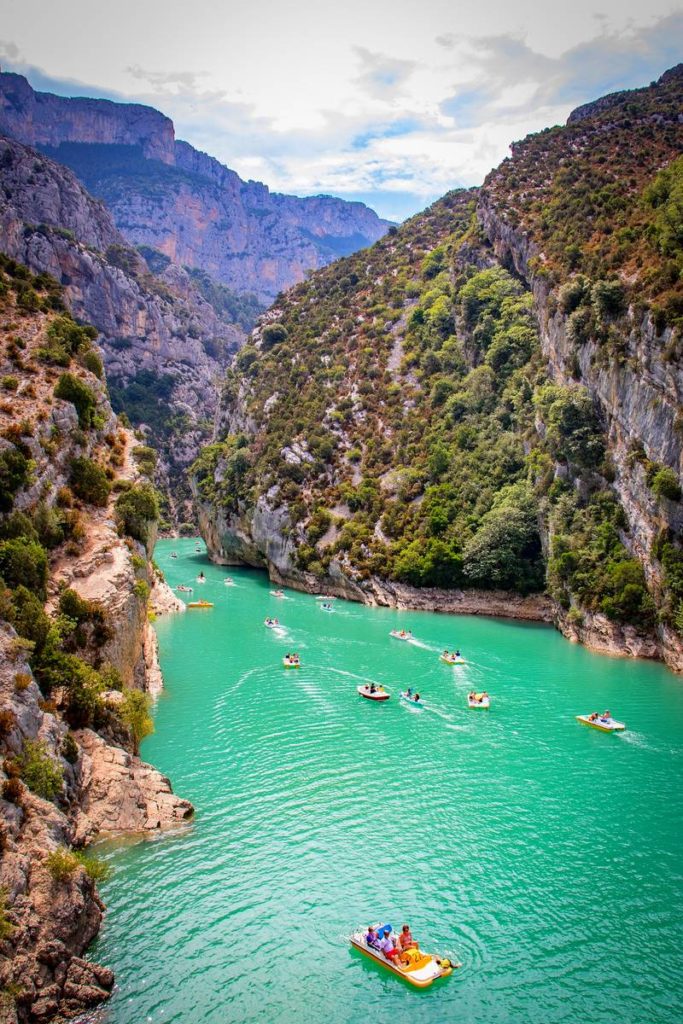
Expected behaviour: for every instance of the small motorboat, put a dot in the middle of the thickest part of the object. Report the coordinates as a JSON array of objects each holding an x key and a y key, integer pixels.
[
  {"x": 174, "y": 554},
  {"x": 201, "y": 578},
  {"x": 401, "y": 634},
  {"x": 277, "y": 593},
  {"x": 422, "y": 971},
  {"x": 478, "y": 700},
  {"x": 200, "y": 604},
  {"x": 452, "y": 659},
  {"x": 325, "y": 597},
  {"x": 605, "y": 723},
  {"x": 372, "y": 692},
  {"x": 326, "y": 607},
  {"x": 411, "y": 698},
  {"x": 184, "y": 590},
  {"x": 229, "y": 581},
  {"x": 271, "y": 623},
  {"x": 291, "y": 661}
]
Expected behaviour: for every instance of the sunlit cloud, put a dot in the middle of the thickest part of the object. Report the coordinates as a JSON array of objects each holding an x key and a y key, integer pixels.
[{"x": 376, "y": 105}]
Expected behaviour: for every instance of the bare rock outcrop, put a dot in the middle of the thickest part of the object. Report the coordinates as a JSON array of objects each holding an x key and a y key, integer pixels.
[{"x": 120, "y": 793}]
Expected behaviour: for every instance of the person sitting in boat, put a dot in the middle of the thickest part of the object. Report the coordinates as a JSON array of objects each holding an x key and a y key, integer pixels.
[
  {"x": 594, "y": 717},
  {"x": 606, "y": 717},
  {"x": 409, "y": 692},
  {"x": 372, "y": 938},
  {"x": 201, "y": 576},
  {"x": 387, "y": 944},
  {"x": 373, "y": 688},
  {"x": 445, "y": 654},
  {"x": 406, "y": 940},
  {"x": 458, "y": 654},
  {"x": 416, "y": 698}
]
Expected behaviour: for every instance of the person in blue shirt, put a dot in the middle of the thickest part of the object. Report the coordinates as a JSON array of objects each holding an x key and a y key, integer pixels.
[{"x": 372, "y": 938}]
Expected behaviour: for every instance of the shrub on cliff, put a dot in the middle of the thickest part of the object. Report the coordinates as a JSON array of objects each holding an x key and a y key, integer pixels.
[
  {"x": 89, "y": 481},
  {"x": 64, "y": 339},
  {"x": 63, "y": 862},
  {"x": 41, "y": 773},
  {"x": 73, "y": 390},
  {"x": 665, "y": 484},
  {"x": 272, "y": 335},
  {"x": 6, "y": 926},
  {"x": 24, "y": 562},
  {"x": 137, "y": 509},
  {"x": 15, "y": 470},
  {"x": 27, "y": 615},
  {"x": 134, "y": 711}
]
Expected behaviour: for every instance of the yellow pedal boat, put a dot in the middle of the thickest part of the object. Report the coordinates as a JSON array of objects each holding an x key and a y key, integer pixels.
[
  {"x": 291, "y": 662},
  {"x": 479, "y": 700},
  {"x": 452, "y": 659},
  {"x": 200, "y": 604},
  {"x": 601, "y": 723},
  {"x": 422, "y": 973}
]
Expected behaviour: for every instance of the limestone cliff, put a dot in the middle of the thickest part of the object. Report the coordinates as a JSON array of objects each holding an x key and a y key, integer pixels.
[
  {"x": 489, "y": 401},
  {"x": 164, "y": 346},
  {"x": 181, "y": 202},
  {"x": 76, "y": 530}
]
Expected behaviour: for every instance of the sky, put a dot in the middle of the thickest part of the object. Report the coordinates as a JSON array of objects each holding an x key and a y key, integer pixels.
[{"x": 391, "y": 102}]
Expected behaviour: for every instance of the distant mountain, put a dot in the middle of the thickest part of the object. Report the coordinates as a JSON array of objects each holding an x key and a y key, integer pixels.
[{"x": 167, "y": 196}]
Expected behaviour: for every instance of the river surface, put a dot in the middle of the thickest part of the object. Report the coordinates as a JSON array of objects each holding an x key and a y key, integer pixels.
[{"x": 545, "y": 856}]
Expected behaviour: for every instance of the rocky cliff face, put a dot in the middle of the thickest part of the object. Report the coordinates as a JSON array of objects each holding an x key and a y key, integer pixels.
[
  {"x": 157, "y": 334},
  {"x": 487, "y": 404},
  {"x": 183, "y": 203},
  {"x": 75, "y": 643}
]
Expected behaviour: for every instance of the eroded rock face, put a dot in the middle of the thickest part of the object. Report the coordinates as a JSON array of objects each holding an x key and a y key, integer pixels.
[
  {"x": 188, "y": 206},
  {"x": 120, "y": 793}
]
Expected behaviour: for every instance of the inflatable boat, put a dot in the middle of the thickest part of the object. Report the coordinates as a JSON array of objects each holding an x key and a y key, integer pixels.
[
  {"x": 424, "y": 970},
  {"x": 601, "y": 722},
  {"x": 379, "y": 693}
]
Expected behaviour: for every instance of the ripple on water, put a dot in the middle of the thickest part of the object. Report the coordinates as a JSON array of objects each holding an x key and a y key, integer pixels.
[{"x": 545, "y": 857}]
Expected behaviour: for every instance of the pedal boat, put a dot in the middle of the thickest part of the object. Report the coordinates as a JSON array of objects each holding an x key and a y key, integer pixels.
[
  {"x": 603, "y": 724},
  {"x": 479, "y": 702},
  {"x": 401, "y": 634},
  {"x": 291, "y": 662},
  {"x": 271, "y": 623},
  {"x": 410, "y": 699},
  {"x": 379, "y": 693},
  {"x": 325, "y": 607},
  {"x": 423, "y": 973},
  {"x": 452, "y": 659},
  {"x": 229, "y": 581},
  {"x": 200, "y": 604}
]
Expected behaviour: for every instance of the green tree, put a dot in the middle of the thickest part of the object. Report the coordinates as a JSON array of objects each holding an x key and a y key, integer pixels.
[{"x": 135, "y": 709}]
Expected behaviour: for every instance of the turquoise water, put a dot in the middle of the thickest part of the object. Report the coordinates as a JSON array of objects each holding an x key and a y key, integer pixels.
[{"x": 544, "y": 855}]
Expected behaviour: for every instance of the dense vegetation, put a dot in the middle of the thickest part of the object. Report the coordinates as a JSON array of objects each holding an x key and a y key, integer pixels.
[
  {"x": 51, "y": 356},
  {"x": 405, "y": 417}
]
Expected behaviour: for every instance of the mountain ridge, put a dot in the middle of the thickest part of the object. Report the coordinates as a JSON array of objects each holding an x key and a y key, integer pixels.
[{"x": 241, "y": 233}]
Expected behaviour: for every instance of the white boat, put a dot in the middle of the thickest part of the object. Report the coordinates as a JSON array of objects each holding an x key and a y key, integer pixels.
[
  {"x": 325, "y": 597},
  {"x": 325, "y": 607},
  {"x": 401, "y": 634},
  {"x": 277, "y": 593},
  {"x": 372, "y": 693},
  {"x": 174, "y": 554},
  {"x": 184, "y": 590},
  {"x": 271, "y": 623},
  {"x": 291, "y": 662},
  {"x": 601, "y": 722},
  {"x": 229, "y": 581},
  {"x": 422, "y": 972},
  {"x": 201, "y": 578}
]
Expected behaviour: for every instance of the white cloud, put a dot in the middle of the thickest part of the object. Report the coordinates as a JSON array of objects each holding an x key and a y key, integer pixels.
[{"x": 375, "y": 101}]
